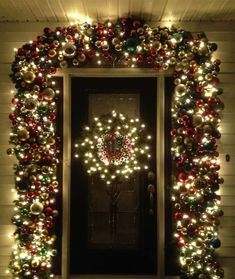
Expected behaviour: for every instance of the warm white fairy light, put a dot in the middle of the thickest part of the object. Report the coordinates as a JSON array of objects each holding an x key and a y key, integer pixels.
[{"x": 112, "y": 142}]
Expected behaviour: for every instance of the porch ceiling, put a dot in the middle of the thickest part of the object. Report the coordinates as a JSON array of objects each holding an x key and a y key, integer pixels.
[{"x": 151, "y": 10}]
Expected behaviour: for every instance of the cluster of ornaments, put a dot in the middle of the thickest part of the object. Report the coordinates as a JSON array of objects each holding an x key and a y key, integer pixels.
[
  {"x": 196, "y": 111},
  {"x": 196, "y": 115},
  {"x": 114, "y": 147}
]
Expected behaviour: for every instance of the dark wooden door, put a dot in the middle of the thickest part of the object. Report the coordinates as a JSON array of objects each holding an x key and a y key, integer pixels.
[{"x": 103, "y": 239}]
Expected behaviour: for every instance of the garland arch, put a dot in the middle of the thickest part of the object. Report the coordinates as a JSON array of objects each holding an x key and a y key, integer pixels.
[{"x": 196, "y": 111}]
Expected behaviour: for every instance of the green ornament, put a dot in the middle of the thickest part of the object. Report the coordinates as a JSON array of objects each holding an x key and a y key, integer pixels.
[
  {"x": 131, "y": 44},
  {"x": 201, "y": 35},
  {"x": 25, "y": 211},
  {"x": 43, "y": 251},
  {"x": 94, "y": 38},
  {"x": 178, "y": 37},
  {"x": 23, "y": 184},
  {"x": 212, "y": 47}
]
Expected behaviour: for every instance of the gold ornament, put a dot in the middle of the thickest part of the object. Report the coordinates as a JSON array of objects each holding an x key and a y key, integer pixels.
[
  {"x": 197, "y": 120},
  {"x": 36, "y": 208},
  {"x": 10, "y": 151},
  {"x": 69, "y": 38},
  {"x": 60, "y": 57},
  {"x": 172, "y": 60},
  {"x": 207, "y": 128},
  {"x": 52, "y": 53},
  {"x": 115, "y": 41},
  {"x": 118, "y": 47},
  {"x": 89, "y": 32},
  {"x": 53, "y": 253},
  {"x": 35, "y": 263},
  {"x": 180, "y": 90},
  {"x": 75, "y": 62},
  {"x": 63, "y": 64},
  {"x": 69, "y": 50},
  {"x": 31, "y": 103},
  {"x": 56, "y": 43},
  {"x": 55, "y": 183},
  {"x": 44, "y": 196},
  {"x": 181, "y": 54},
  {"x": 177, "y": 81},
  {"x": 165, "y": 66},
  {"x": 82, "y": 57},
  {"x": 98, "y": 43},
  {"x": 178, "y": 67},
  {"x": 29, "y": 76},
  {"x": 48, "y": 93},
  {"x": 51, "y": 141},
  {"x": 55, "y": 213},
  {"x": 23, "y": 134},
  {"x": 157, "y": 45},
  {"x": 16, "y": 269}
]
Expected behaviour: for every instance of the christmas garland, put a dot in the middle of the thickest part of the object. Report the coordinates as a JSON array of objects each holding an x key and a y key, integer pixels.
[
  {"x": 114, "y": 146},
  {"x": 195, "y": 119}
]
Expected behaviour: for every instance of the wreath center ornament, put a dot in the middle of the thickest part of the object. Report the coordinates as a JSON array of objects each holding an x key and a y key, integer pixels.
[
  {"x": 114, "y": 149},
  {"x": 115, "y": 146}
]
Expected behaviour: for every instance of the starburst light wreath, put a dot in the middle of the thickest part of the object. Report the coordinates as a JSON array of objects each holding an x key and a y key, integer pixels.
[
  {"x": 115, "y": 146},
  {"x": 195, "y": 116}
]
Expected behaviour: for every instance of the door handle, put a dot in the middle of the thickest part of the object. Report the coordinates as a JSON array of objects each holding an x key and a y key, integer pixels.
[{"x": 151, "y": 191}]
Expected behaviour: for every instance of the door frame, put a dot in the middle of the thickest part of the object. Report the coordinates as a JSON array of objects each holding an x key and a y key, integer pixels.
[{"x": 67, "y": 74}]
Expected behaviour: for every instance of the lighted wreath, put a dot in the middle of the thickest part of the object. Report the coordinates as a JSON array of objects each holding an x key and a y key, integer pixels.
[
  {"x": 114, "y": 146},
  {"x": 196, "y": 111}
]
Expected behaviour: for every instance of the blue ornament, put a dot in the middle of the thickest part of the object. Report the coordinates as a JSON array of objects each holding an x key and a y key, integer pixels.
[
  {"x": 131, "y": 44},
  {"x": 215, "y": 242}
]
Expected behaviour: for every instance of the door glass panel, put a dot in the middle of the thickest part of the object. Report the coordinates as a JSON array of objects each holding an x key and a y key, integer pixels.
[
  {"x": 127, "y": 104},
  {"x": 113, "y": 217}
]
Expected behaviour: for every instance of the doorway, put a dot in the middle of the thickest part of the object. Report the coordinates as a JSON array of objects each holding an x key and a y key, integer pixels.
[{"x": 113, "y": 236}]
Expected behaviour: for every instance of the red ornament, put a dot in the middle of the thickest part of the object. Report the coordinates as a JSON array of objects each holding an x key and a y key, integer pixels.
[
  {"x": 15, "y": 101},
  {"x": 21, "y": 51},
  {"x": 52, "y": 70},
  {"x": 35, "y": 54},
  {"x": 157, "y": 66},
  {"x": 154, "y": 52},
  {"x": 110, "y": 33},
  {"x": 200, "y": 150},
  {"x": 80, "y": 50},
  {"x": 217, "y": 62},
  {"x": 48, "y": 211},
  {"x": 215, "y": 81},
  {"x": 124, "y": 21},
  {"x": 190, "y": 131},
  {"x": 199, "y": 89},
  {"x": 106, "y": 55},
  {"x": 40, "y": 79},
  {"x": 99, "y": 32},
  {"x": 139, "y": 58},
  {"x": 178, "y": 216},
  {"x": 182, "y": 176},
  {"x": 47, "y": 30},
  {"x": 149, "y": 59},
  {"x": 49, "y": 224},
  {"x": 136, "y": 23},
  {"x": 12, "y": 116},
  {"x": 174, "y": 132},
  {"x": 90, "y": 53}
]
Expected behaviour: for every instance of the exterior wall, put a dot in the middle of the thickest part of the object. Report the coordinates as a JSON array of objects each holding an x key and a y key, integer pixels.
[{"x": 13, "y": 35}]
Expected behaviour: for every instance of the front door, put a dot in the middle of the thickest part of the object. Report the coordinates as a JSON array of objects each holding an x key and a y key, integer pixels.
[{"x": 113, "y": 228}]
